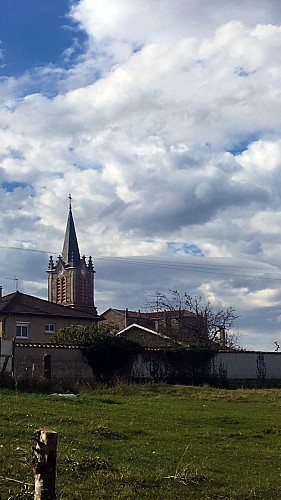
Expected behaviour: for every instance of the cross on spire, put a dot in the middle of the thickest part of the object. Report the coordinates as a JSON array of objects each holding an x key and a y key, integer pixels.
[{"x": 70, "y": 200}]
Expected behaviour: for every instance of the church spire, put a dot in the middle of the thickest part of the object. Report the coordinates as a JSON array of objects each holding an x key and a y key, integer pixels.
[
  {"x": 70, "y": 251},
  {"x": 71, "y": 279}
]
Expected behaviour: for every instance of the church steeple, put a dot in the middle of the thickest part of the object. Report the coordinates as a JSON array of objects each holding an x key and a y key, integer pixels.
[
  {"x": 71, "y": 279},
  {"x": 70, "y": 251}
]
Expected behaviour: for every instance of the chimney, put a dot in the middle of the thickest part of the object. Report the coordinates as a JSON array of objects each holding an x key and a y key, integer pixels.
[{"x": 1, "y": 289}]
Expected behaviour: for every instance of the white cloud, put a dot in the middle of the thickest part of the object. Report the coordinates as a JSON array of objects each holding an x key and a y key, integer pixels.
[
  {"x": 262, "y": 156},
  {"x": 266, "y": 222},
  {"x": 166, "y": 130},
  {"x": 143, "y": 21},
  {"x": 263, "y": 298}
]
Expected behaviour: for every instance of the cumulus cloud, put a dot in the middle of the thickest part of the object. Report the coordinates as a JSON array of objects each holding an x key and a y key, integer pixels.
[
  {"x": 167, "y": 129},
  {"x": 143, "y": 21}
]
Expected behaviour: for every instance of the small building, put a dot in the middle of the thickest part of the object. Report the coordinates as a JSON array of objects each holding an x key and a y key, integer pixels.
[
  {"x": 180, "y": 326},
  {"x": 30, "y": 319},
  {"x": 145, "y": 337}
]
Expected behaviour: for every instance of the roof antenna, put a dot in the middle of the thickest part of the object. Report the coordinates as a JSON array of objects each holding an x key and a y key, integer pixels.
[{"x": 16, "y": 281}]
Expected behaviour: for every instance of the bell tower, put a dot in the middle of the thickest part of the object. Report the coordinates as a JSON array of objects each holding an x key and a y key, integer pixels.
[{"x": 71, "y": 278}]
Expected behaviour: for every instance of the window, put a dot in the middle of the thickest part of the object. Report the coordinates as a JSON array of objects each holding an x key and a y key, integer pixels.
[
  {"x": 23, "y": 330},
  {"x": 50, "y": 328}
]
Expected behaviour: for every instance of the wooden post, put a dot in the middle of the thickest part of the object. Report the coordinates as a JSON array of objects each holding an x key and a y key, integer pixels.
[{"x": 44, "y": 465}]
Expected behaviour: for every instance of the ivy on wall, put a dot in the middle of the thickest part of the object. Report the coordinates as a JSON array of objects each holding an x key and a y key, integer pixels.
[
  {"x": 188, "y": 366},
  {"x": 110, "y": 356}
]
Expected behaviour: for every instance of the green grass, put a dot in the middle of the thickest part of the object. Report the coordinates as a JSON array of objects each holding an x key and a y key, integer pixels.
[{"x": 148, "y": 442}]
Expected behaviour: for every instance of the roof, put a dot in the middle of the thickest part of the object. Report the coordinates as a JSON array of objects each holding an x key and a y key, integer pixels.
[
  {"x": 21, "y": 303},
  {"x": 70, "y": 252},
  {"x": 174, "y": 313},
  {"x": 142, "y": 328}
]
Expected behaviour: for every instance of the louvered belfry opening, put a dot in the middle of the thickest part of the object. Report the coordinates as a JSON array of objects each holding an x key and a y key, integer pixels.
[{"x": 58, "y": 291}]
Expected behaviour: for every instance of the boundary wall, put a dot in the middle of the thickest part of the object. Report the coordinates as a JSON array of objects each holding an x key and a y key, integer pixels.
[
  {"x": 239, "y": 368},
  {"x": 50, "y": 361}
]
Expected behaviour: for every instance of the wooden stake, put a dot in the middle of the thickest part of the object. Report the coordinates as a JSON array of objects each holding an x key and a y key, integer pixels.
[{"x": 44, "y": 465}]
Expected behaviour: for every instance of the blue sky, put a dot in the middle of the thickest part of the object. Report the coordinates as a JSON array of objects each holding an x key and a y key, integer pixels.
[
  {"x": 172, "y": 152},
  {"x": 35, "y": 33}
]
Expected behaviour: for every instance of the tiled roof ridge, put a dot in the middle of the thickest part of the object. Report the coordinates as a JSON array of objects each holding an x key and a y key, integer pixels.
[
  {"x": 149, "y": 330},
  {"x": 150, "y": 314},
  {"x": 46, "y": 345},
  {"x": 18, "y": 298}
]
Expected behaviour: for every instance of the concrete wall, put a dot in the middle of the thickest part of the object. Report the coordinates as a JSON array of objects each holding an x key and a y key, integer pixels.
[
  {"x": 244, "y": 365},
  {"x": 232, "y": 366},
  {"x": 6, "y": 355},
  {"x": 66, "y": 362}
]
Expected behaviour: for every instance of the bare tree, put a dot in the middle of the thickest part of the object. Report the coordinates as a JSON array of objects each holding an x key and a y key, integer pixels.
[{"x": 194, "y": 321}]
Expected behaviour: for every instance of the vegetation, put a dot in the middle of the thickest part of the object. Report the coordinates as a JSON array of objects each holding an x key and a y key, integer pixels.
[
  {"x": 147, "y": 442},
  {"x": 83, "y": 335},
  {"x": 212, "y": 328},
  {"x": 108, "y": 355},
  {"x": 189, "y": 366}
]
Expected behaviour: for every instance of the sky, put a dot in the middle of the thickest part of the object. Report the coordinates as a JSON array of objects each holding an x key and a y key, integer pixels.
[{"x": 163, "y": 120}]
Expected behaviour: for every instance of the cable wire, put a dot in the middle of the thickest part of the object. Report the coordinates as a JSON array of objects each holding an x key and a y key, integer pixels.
[{"x": 207, "y": 268}]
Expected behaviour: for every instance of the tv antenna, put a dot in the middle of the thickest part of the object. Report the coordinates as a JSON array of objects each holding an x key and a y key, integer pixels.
[{"x": 15, "y": 280}]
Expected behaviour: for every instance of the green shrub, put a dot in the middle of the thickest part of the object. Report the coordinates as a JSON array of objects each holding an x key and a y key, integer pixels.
[{"x": 110, "y": 357}]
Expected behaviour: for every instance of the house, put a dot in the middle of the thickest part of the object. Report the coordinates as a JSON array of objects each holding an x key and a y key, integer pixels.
[
  {"x": 180, "y": 326},
  {"x": 145, "y": 337},
  {"x": 30, "y": 319}
]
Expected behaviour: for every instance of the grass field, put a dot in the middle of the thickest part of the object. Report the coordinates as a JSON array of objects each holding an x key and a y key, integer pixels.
[{"x": 148, "y": 442}]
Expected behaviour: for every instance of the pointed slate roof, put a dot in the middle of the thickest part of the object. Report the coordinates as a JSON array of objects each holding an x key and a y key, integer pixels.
[{"x": 70, "y": 251}]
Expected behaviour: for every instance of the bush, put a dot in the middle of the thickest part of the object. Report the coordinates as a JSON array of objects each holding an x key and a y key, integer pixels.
[
  {"x": 188, "y": 366},
  {"x": 110, "y": 357}
]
